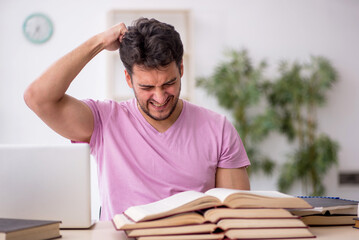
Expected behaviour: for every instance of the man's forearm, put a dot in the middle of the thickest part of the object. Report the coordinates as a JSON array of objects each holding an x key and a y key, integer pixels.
[
  {"x": 235, "y": 178},
  {"x": 51, "y": 86}
]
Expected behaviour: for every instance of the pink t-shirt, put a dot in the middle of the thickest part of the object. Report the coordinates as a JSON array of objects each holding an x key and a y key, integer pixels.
[{"x": 138, "y": 165}]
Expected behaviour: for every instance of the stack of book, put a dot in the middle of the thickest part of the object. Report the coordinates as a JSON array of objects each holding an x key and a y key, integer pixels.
[
  {"x": 217, "y": 214},
  {"x": 328, "y": 211}
]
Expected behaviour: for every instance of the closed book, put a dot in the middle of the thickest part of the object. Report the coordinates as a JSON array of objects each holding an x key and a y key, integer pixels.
[
  {"x": 328, "y": 206},
  {"x": 328, "y": 220},
  {"x": 28, "y": 229},
  {"x": 328, "y": 211}
]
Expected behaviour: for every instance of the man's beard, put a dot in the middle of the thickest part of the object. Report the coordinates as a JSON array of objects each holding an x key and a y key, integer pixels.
[{"x": 147, "y": 112}]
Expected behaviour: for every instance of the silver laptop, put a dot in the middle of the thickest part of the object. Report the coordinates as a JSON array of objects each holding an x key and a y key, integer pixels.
[{"x": 46, "y": 183}]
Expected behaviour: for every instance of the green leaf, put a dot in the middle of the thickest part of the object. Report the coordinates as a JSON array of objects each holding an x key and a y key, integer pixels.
[{"x": 239, "y": 86}]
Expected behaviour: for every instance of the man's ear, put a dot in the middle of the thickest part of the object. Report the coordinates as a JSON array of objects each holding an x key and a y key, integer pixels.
[
  {"x": 128, "y": 79},
  {"x": 181, "y": 68}
]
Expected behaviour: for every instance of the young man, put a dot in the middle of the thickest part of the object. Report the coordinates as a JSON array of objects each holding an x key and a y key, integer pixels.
[{"x": 154, "y": 145}]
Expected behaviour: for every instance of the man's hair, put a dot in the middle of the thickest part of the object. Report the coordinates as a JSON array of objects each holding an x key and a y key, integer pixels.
[{"x": 150, "y": 44}]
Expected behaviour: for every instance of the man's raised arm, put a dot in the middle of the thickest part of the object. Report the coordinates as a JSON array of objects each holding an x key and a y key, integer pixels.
[{"x": 46, "y": 96}]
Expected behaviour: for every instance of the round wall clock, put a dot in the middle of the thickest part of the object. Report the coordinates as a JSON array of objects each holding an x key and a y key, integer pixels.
[{"x": 37, "y": 28}]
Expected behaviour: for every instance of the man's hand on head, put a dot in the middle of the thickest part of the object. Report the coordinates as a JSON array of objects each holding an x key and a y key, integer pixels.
[
  {"x": 46, "y": 96},
  {"x": 112, "y": 37}
]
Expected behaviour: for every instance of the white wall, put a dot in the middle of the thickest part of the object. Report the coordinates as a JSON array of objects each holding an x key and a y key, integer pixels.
[{"x": 269, "y": 29}]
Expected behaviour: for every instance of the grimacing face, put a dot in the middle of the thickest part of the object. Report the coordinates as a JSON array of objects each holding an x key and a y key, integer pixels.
[{"x": 156, "y": 90}]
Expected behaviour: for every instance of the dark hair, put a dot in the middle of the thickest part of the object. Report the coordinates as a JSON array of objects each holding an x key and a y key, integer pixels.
[{"x": 150, "y": 44}]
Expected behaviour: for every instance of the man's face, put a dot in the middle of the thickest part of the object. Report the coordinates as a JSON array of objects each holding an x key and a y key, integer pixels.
[{"x": 157, "y": 90}]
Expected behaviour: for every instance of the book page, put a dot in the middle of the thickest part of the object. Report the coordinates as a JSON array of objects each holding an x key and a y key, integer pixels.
[
  {"x": 189, "y": 218},
  {"x": 223, "y": 193},
  {"x": 137, "y": 213},
  {"x": 120, "y": 220}
]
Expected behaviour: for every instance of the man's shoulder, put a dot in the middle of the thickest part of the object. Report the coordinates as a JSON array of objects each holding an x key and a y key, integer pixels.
[
  {"x": 109, "y": 104},
  {"x": 110, "y": 109},
  {"x": 201, "y": 112}
]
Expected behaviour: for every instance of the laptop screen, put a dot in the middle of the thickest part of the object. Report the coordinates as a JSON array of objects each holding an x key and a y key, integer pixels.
[{"x": 46, "y": 183}]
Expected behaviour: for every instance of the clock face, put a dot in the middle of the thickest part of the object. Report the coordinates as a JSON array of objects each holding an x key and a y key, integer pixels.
[{"x": 37, "y": 28}]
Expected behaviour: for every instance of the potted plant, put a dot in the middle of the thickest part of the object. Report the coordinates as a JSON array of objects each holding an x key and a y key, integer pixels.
[
  {"x": 295, "y": 97},
  {"x": 237, "y": 85}
]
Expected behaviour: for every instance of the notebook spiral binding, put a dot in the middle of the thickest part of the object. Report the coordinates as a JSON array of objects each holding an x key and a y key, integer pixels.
[{"x": 327, "y": 198}]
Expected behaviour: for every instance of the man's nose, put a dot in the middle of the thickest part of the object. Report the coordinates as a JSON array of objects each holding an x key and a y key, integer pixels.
[{"x": 160, "y": 95}]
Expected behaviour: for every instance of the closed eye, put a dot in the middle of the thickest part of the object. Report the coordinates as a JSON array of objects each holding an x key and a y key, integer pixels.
[
  {"x": 149, "y": 87},
  {"x": 146, "y": 88},
  {"x": 169, "y": 84}
]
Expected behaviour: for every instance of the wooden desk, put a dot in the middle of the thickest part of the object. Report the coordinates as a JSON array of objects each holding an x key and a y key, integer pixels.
[
  {"x": 100, "y": 231},
  {"x": 105, "y": 230}
]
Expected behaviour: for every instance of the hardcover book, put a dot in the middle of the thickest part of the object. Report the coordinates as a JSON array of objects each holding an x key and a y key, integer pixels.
[
  {"x": 324, "y": 220},
  {"x": 328, "y": 206},
  {"x": 28, "y": 229},
  {"x": 328, "y": 211}
]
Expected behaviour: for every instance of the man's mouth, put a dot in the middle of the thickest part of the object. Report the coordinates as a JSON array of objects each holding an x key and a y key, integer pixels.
[{"x": 157, "y": 105}]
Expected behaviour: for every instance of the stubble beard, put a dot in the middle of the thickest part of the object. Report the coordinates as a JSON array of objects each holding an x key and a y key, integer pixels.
[{"x": 145, "y": 109}]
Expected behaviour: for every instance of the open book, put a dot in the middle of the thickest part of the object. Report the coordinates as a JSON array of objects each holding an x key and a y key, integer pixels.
[
  {"x": 191, "y": 201},
  {"x": 273, "y": 233},
  {"x": 221, "y": 226},
  {"x": 214, "y": 215}
]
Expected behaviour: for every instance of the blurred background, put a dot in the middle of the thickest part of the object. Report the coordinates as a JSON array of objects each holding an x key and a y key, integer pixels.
[{"x": 270, "y": 30}]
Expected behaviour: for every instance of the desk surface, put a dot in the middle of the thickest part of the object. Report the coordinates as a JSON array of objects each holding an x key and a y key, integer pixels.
[{"x": 105, "y": 230}]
